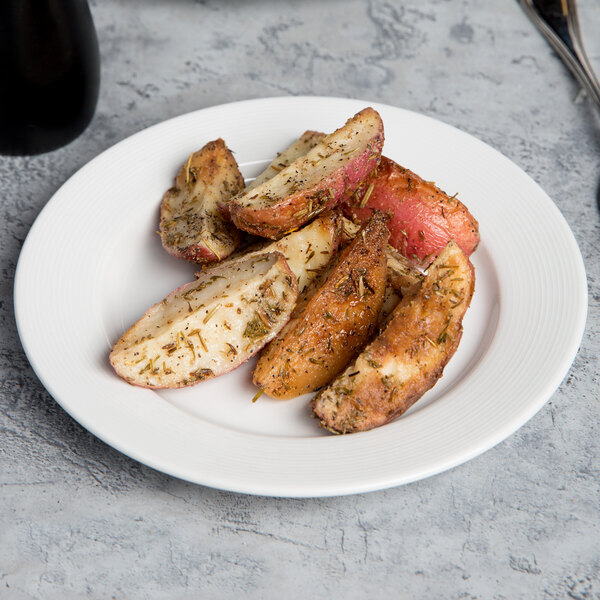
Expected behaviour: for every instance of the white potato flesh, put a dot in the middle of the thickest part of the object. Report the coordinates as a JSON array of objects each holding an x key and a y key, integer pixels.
[
  {"x": 209, "y": 326},
  {"x": 307, "y": 250}
]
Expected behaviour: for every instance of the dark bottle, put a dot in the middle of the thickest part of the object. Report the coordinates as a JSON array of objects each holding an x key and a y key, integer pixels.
[{"x": 49, "y": 73}]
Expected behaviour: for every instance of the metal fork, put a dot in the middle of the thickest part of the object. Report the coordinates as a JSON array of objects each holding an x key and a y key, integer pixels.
[{"x": 558, "y": 23}]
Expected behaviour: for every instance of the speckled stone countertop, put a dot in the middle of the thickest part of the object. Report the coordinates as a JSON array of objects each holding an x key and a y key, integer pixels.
[{"x": 80, "y": 520}]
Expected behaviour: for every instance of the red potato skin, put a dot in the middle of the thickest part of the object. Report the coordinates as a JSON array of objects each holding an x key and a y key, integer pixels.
[
  {"x": 278, "y": 219},
  {"x": 423, "y": 217}
]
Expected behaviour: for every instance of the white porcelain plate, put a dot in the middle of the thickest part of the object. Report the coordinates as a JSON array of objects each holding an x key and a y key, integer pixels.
[{"x": 93, "y": 263}]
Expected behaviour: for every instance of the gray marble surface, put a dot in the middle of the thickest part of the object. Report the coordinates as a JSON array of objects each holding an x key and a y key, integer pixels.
[{"x": 80, "y": 520}]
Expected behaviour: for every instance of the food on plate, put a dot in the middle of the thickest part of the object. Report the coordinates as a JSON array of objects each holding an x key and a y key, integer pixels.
[
  {"x": 312, "y": 183},
  {"x": 209, "y": 326},
  {"x": 402, "y": 274},
  {"x": 327, "y": 331},
  {"x": 408, "y": 357},
  {"x": 424, "y": 218},
  {"x": 191, "y": 224},
  {"x": 307, "y": 141},
  {"x": 337, "y": 304},
  {"x": 307, "y": 250},
  {"x": 402, "y": 279}
]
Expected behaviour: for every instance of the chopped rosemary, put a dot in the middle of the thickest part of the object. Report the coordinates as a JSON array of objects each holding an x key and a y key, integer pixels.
[
  {"x": 201, "y": 374},
  {"x": 258, "y": 395},
  {"x": 367, "y": 195},
  {"x": 211, "y": 314},
  {"x": 256, "y": 328}
]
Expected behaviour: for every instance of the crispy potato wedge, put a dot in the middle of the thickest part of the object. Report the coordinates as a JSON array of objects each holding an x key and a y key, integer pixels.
[
  {"x": 209, "y": 326},
  {"x": 402, "y": 274},
  {"x": 424, "y": 218},
  {"x": 408, "y": 357},
  {"x": 313, "y": 183},
  {"x": 327, "y": 330},
  {"x": 191, "y": 224}
]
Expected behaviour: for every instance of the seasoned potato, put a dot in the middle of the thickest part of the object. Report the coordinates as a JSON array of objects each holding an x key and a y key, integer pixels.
[
  {"x": 209, "y": 326},
  {"x": 402, "y": 279},
  {"x": 307, "y": 141},
  {"x": 408, "y": 357},
  {"x": 191, "y": 224},
  {"x": 307, "y": 250},
  {"x": 402, "y": 275},
  {"x": 423, "y": 218},
  {"x": 327, "y": 330},
  {"x": 312, "y": 183}
]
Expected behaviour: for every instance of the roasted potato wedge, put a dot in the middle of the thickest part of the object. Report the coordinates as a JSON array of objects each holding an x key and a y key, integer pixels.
[
  {"x": 408, "y": 357},
  {"x": 327, "y": 331},
  {"x": 423, "y": 217},
  {"x": 307, "y": 250},
  {"x": 310, "y": 249},
  {"x": 307, "y": 141},
  {"x": 209, "y": 326},
  {"x": 402, "y": 274},
  {"x": 402, "y": 279},
  {"x": 191, "y": 224},
  {"x": 313, "y": 183}
]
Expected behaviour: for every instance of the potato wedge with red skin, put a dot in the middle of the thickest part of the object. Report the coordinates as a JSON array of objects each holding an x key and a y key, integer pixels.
[
  {"x": 327, "y": 330},
  {"x": 313, "y": 183},
  {"x": 408, "y": 357},
  {"x": 191, "y": 224},
  {"x": 424, "y": 218},
  {"x": 210, "y": 326}
]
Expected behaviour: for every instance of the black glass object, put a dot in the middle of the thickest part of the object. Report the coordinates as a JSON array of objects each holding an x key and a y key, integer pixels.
[{"x": 49, "y": 73}]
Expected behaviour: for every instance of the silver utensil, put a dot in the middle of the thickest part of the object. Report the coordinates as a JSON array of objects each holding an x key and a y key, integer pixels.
[{"x": 558, "y": 23}]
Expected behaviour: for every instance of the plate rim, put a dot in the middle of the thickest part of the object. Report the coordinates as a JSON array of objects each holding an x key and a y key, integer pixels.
[{"x": 299, "y": 491}]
